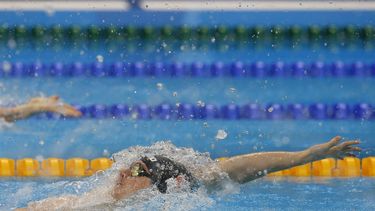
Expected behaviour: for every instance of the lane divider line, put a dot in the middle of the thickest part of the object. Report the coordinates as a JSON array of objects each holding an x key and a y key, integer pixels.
[
  {"x": 78, "y": 167},
  {"x": 52, "y": 167},
  {"x": 206, "y": 111},
  {"x": 218, "y": 69},
  {"x": 245, "y": 35}
]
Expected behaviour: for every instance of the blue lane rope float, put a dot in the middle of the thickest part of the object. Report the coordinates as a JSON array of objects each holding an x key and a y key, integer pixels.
[
  {"x": 186, "y": 111},
  {"x": 236, "y": 69}
]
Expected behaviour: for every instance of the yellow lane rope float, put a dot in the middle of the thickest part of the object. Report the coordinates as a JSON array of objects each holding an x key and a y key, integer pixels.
[
  {"x": 52, "y": 167},
  {"x": 348, "y": 167},
  {"x": 78, "y": 167}
]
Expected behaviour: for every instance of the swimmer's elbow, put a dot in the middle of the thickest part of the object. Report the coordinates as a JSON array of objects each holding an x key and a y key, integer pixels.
[
  {"x": 240, "y": 178},
  {"x": 232, "y": 172},
  {"x": 238, "y": 175}
]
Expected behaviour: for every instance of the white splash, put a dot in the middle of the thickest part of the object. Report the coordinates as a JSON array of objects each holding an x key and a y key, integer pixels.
[
  {"x": 94, "y": 193},
  {"x": 199, "y": 164},
  {"x": 221, "y": 134},
  {"x": 4, "y": 125},
  {"x": 100, "y": 58}
]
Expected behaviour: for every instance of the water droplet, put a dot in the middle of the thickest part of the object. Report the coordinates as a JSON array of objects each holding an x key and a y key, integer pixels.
[
  {"x": 200, "y": 103},
  {"x": 39, "y": 158},
  {"x": 100, "y": 58},
  {"x": 221, "y": 134},
  {"x": 6, "y": 66},
  {"x": 160, "y": 86},
  {"x": 105, "y": 152}
]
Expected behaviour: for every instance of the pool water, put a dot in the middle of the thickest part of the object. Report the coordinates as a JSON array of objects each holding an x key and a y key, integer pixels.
[
  {"x": 264, "y": 194},
  {"x": 306, "y": 194},
  {"x": 90, "y": 138}
]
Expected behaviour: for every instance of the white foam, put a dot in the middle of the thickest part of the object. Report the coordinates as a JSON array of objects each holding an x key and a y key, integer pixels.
[
  {"x": 98, "y": 188},
  {"x": 199, "y": 164}
]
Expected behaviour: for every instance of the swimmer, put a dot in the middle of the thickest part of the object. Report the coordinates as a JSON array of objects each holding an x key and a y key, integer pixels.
[
  {"x": 155, "y": 171},
  {"x": 38, "y": 105}
]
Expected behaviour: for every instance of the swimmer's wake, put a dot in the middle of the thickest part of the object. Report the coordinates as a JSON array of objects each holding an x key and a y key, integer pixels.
[{"x": 143, "y": 174}]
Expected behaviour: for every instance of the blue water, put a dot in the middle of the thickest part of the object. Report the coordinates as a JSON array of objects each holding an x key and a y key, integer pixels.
[
  {"x": 263, "y": 194},
  {"x": 335, "y": 194},
  {"x": 169, "y": 51},
  {"x": 85, "y": 138},
  {"x": 89, "y": 90},
  {"x": 89, "y": 138},
  {"x": 190, "y": 18}
]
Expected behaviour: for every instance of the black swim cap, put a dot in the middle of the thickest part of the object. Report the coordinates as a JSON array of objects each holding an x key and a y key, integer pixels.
[{"x": 162, "y": 168}]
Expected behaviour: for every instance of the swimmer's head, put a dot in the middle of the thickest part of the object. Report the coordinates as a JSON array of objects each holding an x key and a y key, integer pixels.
[
  {"x": 150, "y": 170},
  {"x": 159, "y": 169}
]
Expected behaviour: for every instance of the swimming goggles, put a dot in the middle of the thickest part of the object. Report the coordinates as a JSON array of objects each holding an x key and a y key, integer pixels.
[{"x": 139, "y": 169}]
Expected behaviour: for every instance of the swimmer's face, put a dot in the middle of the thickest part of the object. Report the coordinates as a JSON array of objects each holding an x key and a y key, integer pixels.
[{"x": 128, "y": 184}]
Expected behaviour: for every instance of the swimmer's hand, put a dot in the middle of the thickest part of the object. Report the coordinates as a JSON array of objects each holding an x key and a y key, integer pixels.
[
  {"x": 334, "y": 149},
  {"x": 53, "y": 104}
]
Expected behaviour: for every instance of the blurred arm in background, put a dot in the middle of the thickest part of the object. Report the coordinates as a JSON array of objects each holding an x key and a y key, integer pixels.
[{"x": 38, "y": 105}]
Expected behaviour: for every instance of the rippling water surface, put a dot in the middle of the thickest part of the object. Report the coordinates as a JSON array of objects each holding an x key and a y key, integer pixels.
[{"x": 268, "y": 193}]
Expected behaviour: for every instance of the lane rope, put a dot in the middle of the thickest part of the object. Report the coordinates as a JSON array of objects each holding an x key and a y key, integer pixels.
[
  {"x": 78, "y": 167},
  {"x": 218, "y": 69},
  {"x": 221, "y": 33},
  {"x": 251, "y": 111}
]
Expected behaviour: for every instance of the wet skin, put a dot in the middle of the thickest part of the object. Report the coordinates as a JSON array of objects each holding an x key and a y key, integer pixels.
[
  {"x": 241, "y": 168},
  {"x": 128, "y": 185},
  {"x": 38, "y": 105}
]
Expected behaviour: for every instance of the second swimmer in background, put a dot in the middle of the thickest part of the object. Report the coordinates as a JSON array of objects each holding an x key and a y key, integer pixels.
[{"x": 38, "y": 105}]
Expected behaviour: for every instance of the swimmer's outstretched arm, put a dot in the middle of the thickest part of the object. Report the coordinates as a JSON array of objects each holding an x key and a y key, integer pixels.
[
  {"x": 38, "y": 105},
  {"x": 244, "y": 168}
]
